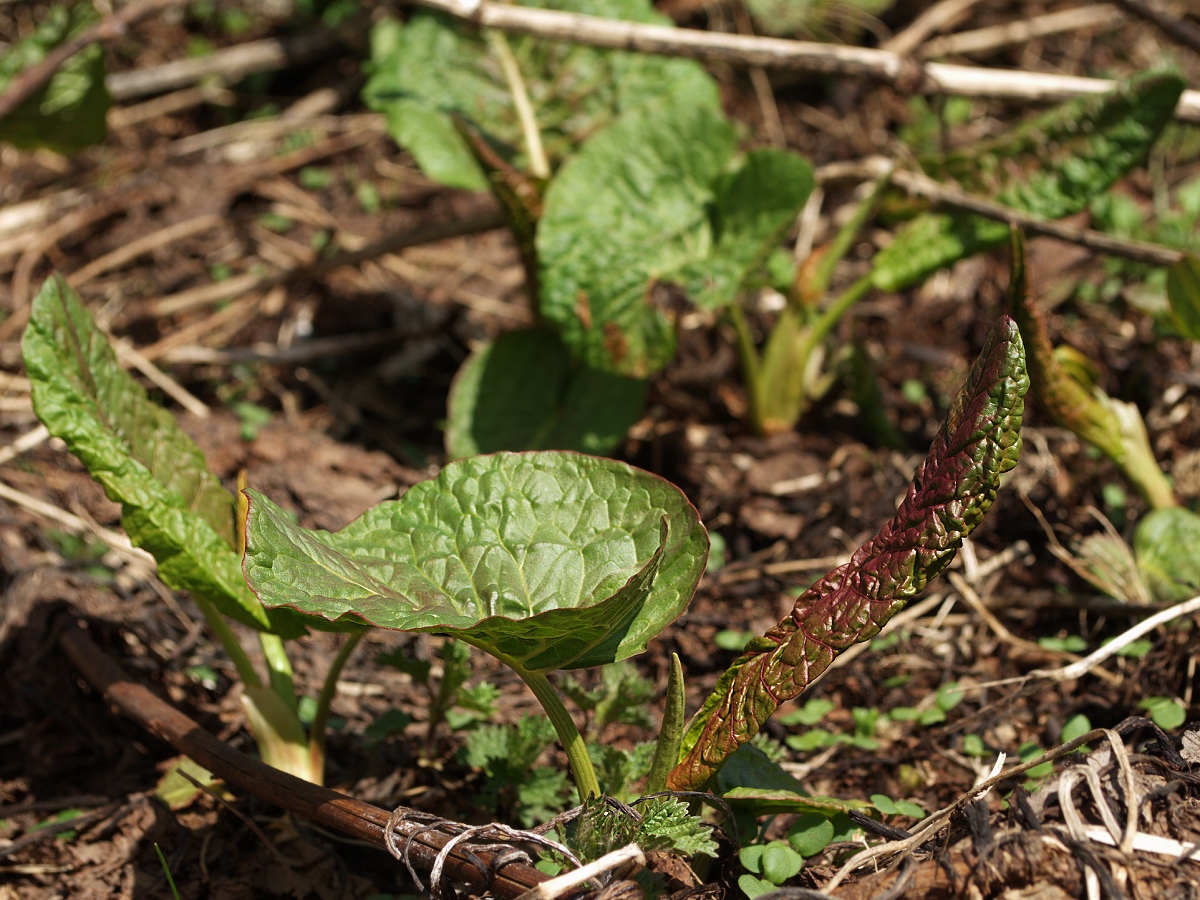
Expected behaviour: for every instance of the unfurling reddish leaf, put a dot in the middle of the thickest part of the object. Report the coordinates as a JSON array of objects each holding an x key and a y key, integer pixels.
[{"x": 948, "y": 497}]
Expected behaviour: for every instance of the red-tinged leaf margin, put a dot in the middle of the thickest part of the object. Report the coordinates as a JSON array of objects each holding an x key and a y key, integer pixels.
[{"x": 951, "y": 491}]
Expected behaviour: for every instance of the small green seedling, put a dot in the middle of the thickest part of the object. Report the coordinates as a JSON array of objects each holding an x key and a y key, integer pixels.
[
  {"x": 777, "y": 862},
  {"x": 1165, "y": 712}
]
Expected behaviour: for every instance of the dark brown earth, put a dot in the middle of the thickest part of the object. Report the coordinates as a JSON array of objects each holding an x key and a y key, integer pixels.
[{"x": 354, "y": 367}]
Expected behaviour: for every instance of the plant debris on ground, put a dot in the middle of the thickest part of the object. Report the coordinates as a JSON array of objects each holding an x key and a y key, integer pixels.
[{"x": 352, "y": 255}]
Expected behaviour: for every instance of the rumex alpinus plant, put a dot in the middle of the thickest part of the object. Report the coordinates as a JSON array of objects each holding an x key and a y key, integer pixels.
[
  {"x": 547, "y": 560},
  {"x": 551, "y": 560}
]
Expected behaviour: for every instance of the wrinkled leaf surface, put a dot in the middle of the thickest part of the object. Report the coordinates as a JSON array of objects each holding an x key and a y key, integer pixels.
[
  {"x": 951, "y": 491},
  {"x": 546, "y": 560},
  {"x": 657, "y": 197},
  {"x": 172, "y": 505}
]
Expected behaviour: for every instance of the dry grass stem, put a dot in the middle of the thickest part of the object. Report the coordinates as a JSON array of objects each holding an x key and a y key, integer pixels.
[
  {"x": 829, "y": 59},
  {"x": 996, "y": 37}
]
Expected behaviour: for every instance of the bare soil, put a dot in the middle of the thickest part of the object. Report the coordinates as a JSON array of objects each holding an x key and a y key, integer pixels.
[{"x": 354, "y": 366}]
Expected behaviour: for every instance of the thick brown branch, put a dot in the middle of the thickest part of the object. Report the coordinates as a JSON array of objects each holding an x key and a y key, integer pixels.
[{"x": 329, "y": 808}]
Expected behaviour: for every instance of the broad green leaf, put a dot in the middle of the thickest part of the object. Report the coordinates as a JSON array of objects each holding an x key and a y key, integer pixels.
[
  {"x": 547, "y": 560},
  {"x": 68, "y": 113},
  {"x": 951, "y": 491},
  {"x": 1167, "y": 545},
  {"x": 754, "y": 205},
  {"x": 765, "y": 802},
  {"x": 658, "y": 197},
  {"x": 432, "y": 67},
  {"x": 1183, "y": 292},
  {"x": 171, "y": 504},
  {"x": 1052, "y": 167},
  {"x": 523, "y": 391},
  {"x": 629, "y": 210}
]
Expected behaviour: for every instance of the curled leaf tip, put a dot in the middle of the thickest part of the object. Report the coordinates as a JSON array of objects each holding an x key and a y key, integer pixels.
[{"x": 951, "y": 491}]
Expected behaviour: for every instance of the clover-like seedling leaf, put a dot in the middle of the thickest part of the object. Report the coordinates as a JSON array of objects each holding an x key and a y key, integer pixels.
[
  {"x": 951, "y": 491},
  {"x": 547, "y": 560},
  {"x": 171, "y": 504}
]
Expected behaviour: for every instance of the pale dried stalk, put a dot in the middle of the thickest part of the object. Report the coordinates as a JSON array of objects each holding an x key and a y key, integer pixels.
[
  {"x": 828, "y": 59},
  {"x": 1020, "y": 31},
  {"x": 228, "y": 65},
  {"x": 145, "y": 244},
  {"x": 939, "y": 17}
]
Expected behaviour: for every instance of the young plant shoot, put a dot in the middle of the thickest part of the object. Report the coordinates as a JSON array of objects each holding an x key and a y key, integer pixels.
[
  {"x": 174, "y": 507},
  {"x": 553, "y": 560}
]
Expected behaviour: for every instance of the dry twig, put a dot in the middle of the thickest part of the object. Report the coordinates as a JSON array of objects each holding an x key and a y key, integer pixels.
[
  {"x": 1020, "y": 31},
  {"x": 808, "y": 56},
  {"x": 326, "y": 807},
  {"x": 1179, "y": 30}
]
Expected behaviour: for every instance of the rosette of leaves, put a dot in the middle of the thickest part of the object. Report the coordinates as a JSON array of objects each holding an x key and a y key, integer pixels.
[
  {"x": 68, "y": 113},
  {"x": 641, "y": 187},
  {"x": 546, "y": 560},
  {"x": 951, "y": 491},
  {"x": 1052, "y": 166}
]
